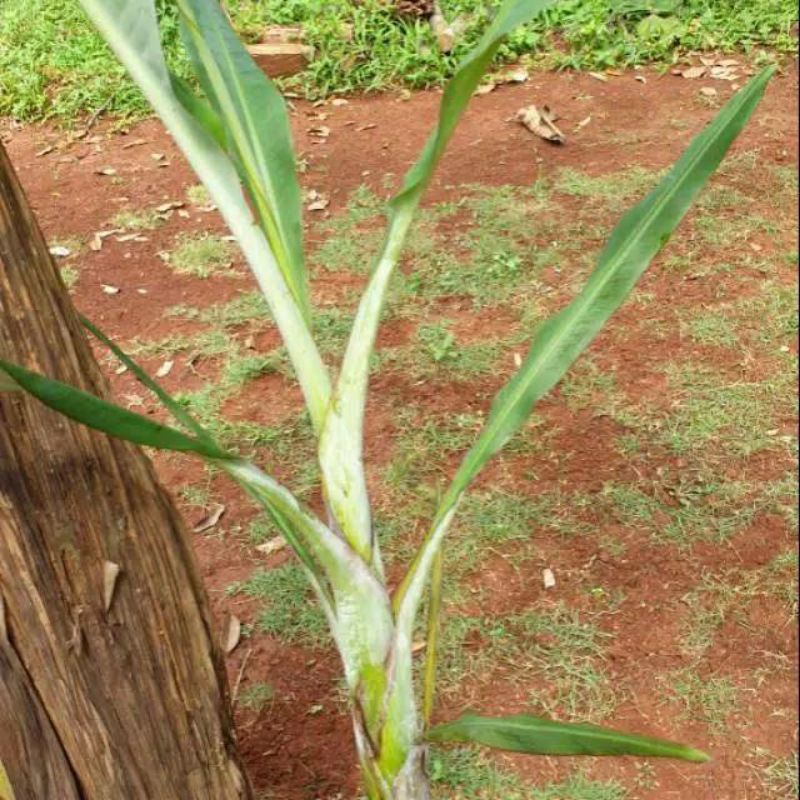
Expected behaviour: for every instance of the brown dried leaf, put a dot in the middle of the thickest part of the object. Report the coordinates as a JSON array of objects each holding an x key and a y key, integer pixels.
[
  {"x": 541, "y": 122},
  {"x": 110, "y": 575},
  {"x": 164, "y": 369},
  {"x": 693, "y": 72},
  {"x": 599, "y": 76},
  {"x": 210, "y": 520},
  {"x": 233, "y": 635},
  {"x": 271, "y": 546}
]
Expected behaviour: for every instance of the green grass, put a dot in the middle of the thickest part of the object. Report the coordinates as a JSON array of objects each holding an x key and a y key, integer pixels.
[
  {"x": 718, "y": 597},
  {"x": 557, "y": 654},
  {"x": 78, "y": 76},
  {"x": 137, "y": 220},
  {"x": 709, "y": 699},
  {"x": 289, "y": 611},
  {"x": 730, "y": 416},
  {"x": 780, "y": 778},
  {"x": 256, "y": 696},
  {"x": 684, "y": 509},
  {"x": 70, "y": 276},
  {"x": 200, "y": 255},
  {"x": 465, "y": 774}
]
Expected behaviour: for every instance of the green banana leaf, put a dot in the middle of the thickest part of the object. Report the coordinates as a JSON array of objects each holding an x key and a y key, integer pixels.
[
  {"x": 633, "y": 244},
  {"x": 522, "y": 733},
  {"x": 107, "y": 417},
  {"x": 252, "y": 114}
]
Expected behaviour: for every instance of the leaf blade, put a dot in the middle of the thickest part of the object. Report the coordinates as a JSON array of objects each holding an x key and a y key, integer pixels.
[
  {"x": 253, "y": 115},
  {"x": 341, "y": 442},
  {"x": 639, "y": 235},
  {"x": 523, "y": 733},
  {"x": 106, "y": 417}
]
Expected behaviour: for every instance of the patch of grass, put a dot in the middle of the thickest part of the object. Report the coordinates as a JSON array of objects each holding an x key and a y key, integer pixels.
[
  {"x": 715, "y": 413},
  {"x": 137, "y": 220},
  {"x": 779, "y": 778},
  {"x": 69, "y": 275},
  {"x": 687, "y": 508},
  {"x": 614, "y": 188},
  {"x": 717, "y": 598},
  {"x": 260, "y": 529},
  {"x": 289, "y": 613},
  {"x": 196, "y": 496},
  {"x": 201, "y": 255},
  {"x": 709, "y": 699},
  {"x": 78, "y": 76},
  {"x": 256, "y": 696},
  {"x": 553, "y": 650},
  {"x": 211, "y": 344},
  {"x": 198, "y": 195},
  {"x": 465, "y": 774},
  {"x": 588, "y": 386}
]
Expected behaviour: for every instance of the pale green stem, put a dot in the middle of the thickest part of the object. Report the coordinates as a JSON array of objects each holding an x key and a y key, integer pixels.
[{"x": 341, "y": 443}]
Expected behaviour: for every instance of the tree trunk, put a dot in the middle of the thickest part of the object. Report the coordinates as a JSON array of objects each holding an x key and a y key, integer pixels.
[{"x": 110, "y": 687}]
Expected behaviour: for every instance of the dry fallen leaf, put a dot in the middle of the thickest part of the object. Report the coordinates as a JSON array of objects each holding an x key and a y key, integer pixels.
[
  {"x": 233, "y": 634},
  {"x": 640, "y": 78},
  {"x": 418, "y": 647},
  {"x": 541, "y": 123},
  {"x": 548, "y": 578},
  {"x": 599, "y": 76},
  {"x": 694, "y": 72},
  {"x": 339, "y": 101},
  {"x": 134, "y": 143},
  {"x": 110, "y": 574},
  {"x": 320, "y": 131},
  {"x": 165, "y": 369},
  {"x": 583, "y": 123},
  {"x": 271, "y": 546},
  {"x": 108, "y": 289},
  {"x": 317, "y": 201},
  {"x": 106, "y": 171},
  {"x": 45, "y": 150},
  {"x": 164, "y": 207},
  {"x": 485, "y": 88},
  {"x": 210, "y": 520},
  {"x": 59, "y": 251}
]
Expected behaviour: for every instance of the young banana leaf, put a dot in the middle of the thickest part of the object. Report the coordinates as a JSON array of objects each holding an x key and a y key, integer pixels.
[{"x": 521, "y": 733}]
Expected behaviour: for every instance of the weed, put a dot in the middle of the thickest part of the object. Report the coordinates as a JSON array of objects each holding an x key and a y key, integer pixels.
[{"x": 38, "y": 80}]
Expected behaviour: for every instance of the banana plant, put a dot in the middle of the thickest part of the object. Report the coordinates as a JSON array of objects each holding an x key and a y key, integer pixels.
[{"x": 235, "y": 134}]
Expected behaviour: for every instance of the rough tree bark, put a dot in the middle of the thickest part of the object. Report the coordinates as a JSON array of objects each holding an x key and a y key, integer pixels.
[{"x": 108, "y": 689}]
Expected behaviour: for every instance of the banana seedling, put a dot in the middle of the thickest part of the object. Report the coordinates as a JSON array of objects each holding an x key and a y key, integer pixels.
[{"x": 235, "y": 134}]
